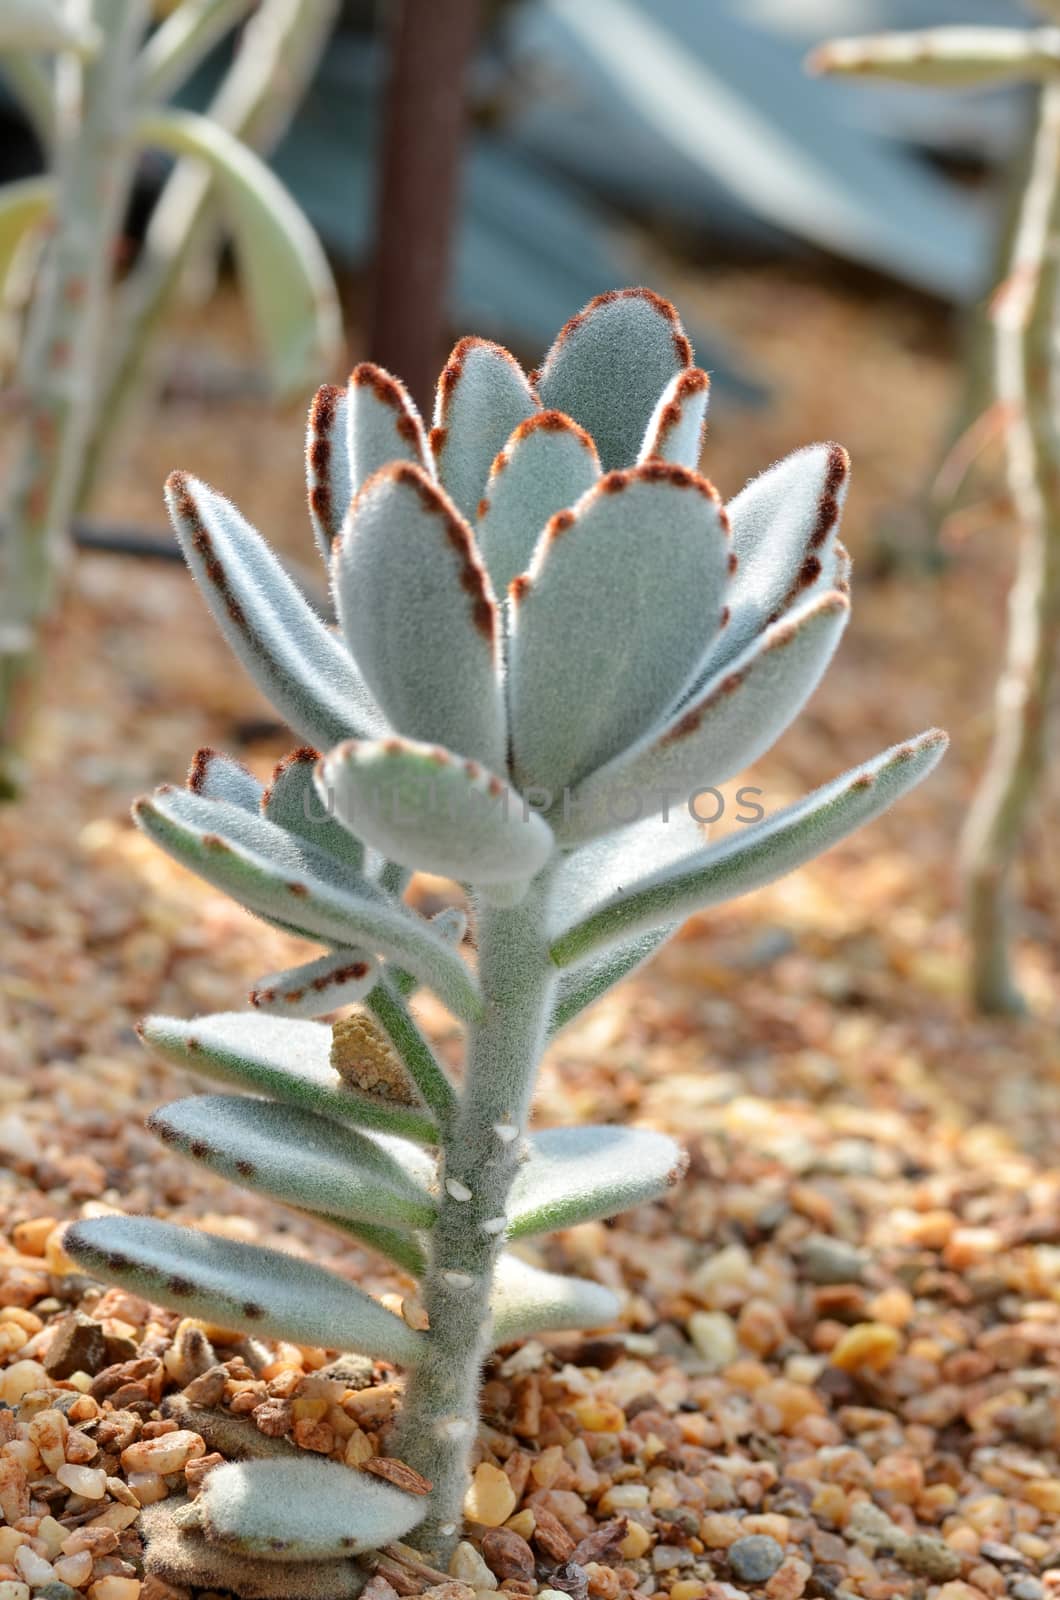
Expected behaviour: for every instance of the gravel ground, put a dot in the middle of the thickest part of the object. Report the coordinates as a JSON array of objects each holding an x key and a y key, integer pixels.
[{"x": 838, "y": 1368}]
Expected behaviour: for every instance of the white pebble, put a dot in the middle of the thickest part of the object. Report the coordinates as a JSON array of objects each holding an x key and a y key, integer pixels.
[
  {"x": 33, "y": 1567},
  {"x": 91, "y": 1482},
  {"x": 458, "y": 1190},
  {"x": 10, "y": 1590}
]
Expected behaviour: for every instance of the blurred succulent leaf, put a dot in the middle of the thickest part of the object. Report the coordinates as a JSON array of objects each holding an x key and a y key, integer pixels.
[
  {"x": 759, "y": 853},
  {"x": 265, "y": 871},
  {"x": 609, "y": 365},
  {"x": 579, "y": 1174},
  {"x": 611, "y": 620},
  {"x": 182, "y": 41},
  {"x": 301, "y": 1159},
  {"x": 740, "y": 713},
  {"x": 288, "y": 281},
  {"x": 237, "y": 1285},
  {"x": 675, "y": 429},
  {"x": 548, "y": 463},
  {"x": 45, "y": 25},
  {"x": 329, "y": 1510},
  {"x": 267, "y": 622},
  {"x": 283, "y": 1059},
  {"x": 340, "y": 978},
  {"x": 422, "y": 805},
  {"x": 24, "y": 206},
  {"x": 951, "y": 57},
  {"x": 526, "y": 1300},
  {"x": 483, "y": 396},
  {"x": 418, "y": 612}
]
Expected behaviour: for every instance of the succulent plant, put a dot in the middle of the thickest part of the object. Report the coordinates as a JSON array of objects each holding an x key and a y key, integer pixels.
[
  {"x": 552, "y": 634},
  {"x": 1026, "y": 324}
]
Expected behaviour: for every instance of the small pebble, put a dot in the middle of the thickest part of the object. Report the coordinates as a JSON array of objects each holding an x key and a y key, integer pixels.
[
  {"x": 490, "y": 1499},
  {"x": 755, "y": 1558}
]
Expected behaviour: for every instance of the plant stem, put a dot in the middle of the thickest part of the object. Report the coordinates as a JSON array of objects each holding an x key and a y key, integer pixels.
[
  {"x": 1025, "y": 315},
  {"x": 440, "y": 1416},
  {"x": 94, "y": 164}
]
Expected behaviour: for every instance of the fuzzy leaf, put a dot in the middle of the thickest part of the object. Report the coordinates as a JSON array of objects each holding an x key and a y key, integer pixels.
[
  {"x": 403, "y": 1249},
  {"x": 216, "y": 776},
  {"x": 526, "y": 1300},
  {"x": 329, "y": 480},
  {"x": 610, "y": 364},
  {"x": 418, "y": 613},
  {"x": 280, "y": 878},
  {"x": 24, "y": 206},
  {"x": 576, "y": 1175},
  {"x": 425, "y": 807},
  {"x": 285, "y": 1060},
  {"x": 783, "y": 524},
  {"x": 952, "y": 58},
  {"x": 45, "y": 25},
  {"x": 675, "y": 431},
  {"x": 303, "y": 1510},
  {"x": 621, "y": 601},
  {"x": 301, "y": 1159},
  {"x": 546, "y": 465},
  {"x": 591, "y": 874},
  {"x": 383, "y": 425},
  {"x": 483, "y": 396},
  {"x": 758, "y": 854},
  {"x": 743, "y": 710},
  {"x": 284, "y": 269},
  {"x": 292, "y": 802},
  {"x": 282, "y": 643},
  {"x": 267, "y": 1292},
  {"x": 340, "y": 978},
  {"x": 588, "y": 982}
]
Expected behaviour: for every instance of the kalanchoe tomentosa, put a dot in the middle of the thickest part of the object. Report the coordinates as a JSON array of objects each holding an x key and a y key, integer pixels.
[{"x": 551, "y": 633}]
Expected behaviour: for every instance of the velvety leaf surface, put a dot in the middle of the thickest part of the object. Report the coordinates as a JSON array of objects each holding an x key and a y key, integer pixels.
[
  {"x": 622, "y": 598},
  {"x": 291, "y": 801},
  {"x": 305, "y": 1510},
  {"x": 279, "y": 639},
  {"x": 526, "y": 1300},
  {"x": 580, "y": 986},
  {"x": 577, "y": 1174},
  {"x": 301, "y": 1159},
  {"x": 219, "y": 777},
  {"x": 423, "y": 806},
  {"x": 483, "y": 396},
  {"x": 286, "y": 1060},
  {"x": 418, "y": 613},
  {"x": 329, "y": 477},
  {"x": 610, "y": 364},
  {"x": 546, "y": 465},
  {"x": 340, "y": 978},
  {"x": 383, "y": 425},
  {"x": 267, "y": 1292},
  {"x": 675, "y": 431}
]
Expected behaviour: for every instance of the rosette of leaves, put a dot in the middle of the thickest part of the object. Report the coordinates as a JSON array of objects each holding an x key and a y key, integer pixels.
[{"x": 551, "y": 633}]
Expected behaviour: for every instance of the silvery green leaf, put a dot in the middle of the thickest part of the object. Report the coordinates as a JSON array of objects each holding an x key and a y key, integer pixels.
[
  {"x": 580, "y": 986},
  {"x": 340, "y": 978},
  {"x": 182, "y": 41},
  {"x": 949, "y": 57},
  {"x": 282, "y": 885},
  {"x": 743, "y": 709},
  {"x": 283, "y": 1059},
  {"x": 483, "y": 395},
  {"x": 267, "y": 1292},
  {"x": 782, "y": 525},
  {"x": 383, "y": 425},
  {"x": 526, "y": 1300},
  {"x": 287, "y": 650},
  {"x": 305, "y": 1510},
  {"x": 621, "y": 600},
  {"x": 45, "y": 25},
  {"x": 393, "y": 1244},
  {"x": 217, "y": 776},
  {"x": 675, "y": 430},
  {"x": 422, "y": 805},
  {"x": 592, "y": 873},
  {"x": 292, "y": 802},
  {"x": 329, "y": 477},
  {"x": 578, "y": 1174},
  {"x": 284, "y": 269},
  {"x": 609, "y": 365},
  {"x": 546, "y": 465},
  {"x": 758, "y": 854},
  {"x": 418, "y": 613},
  {"x": 24, "y": 206},
  {"x": 301, "y": 1159}
]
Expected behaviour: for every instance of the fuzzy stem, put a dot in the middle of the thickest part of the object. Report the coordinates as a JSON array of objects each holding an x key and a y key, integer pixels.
[
  {"x": 94, "y": 164},
  {"x": 440, "y": 1417},
  {"x": 1026, "y": 334},
  {"x": 277, "y": 56}
]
